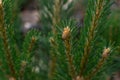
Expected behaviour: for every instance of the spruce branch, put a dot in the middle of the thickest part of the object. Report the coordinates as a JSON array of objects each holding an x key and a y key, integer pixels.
[
  {"x": 66, "y": 38},
  {"x": 94, "y": 23},
  {"x": 105, "y": 54},
  {"x": 6, "y": 43}
]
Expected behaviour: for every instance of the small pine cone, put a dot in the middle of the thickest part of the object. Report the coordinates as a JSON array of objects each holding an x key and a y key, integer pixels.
[
  {"x": 66, "y": 33},
  {"x": 106, "y": 52}
]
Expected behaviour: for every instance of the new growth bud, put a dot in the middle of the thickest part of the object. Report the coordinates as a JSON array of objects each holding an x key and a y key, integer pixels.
[
  {"x": 66, "y": 33},
  {"x": 106, "y": 52},
  {"x": 79, "y": 78},
  {"x": 0, "y": 2},
  {"x": 0, "y": 6}
]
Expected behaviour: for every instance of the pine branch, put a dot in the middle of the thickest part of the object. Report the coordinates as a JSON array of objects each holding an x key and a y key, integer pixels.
[
  {"x": 105, "y": 54},
  {"x": 29, "y": 41},
  {"x": 52, "y": 63},
  {"x": 33, "y": 40},
  {"x": 22, "y": 69},
  {"x": 27, "y": 46},
  {"x": 52, "y": 66},
  {"x": 2, "y": 70},
  {"x": 6, "y": 43},
  {"x": 66, "y": 38},
  {"x": 91, "y": 34},
  {"x": 56, "y": 14},
  {"x": 11, "y": 20},
  {"x": 55, "y": 20}
]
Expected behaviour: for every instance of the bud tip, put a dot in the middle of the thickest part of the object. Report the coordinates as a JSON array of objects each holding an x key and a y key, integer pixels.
[
  {"x": 66, "y": 33},
  {"x": 106, "y": 52}
]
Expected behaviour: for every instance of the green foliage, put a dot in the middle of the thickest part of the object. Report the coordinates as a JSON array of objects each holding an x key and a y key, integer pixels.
[
  {"x": 62, "y": 50},
  {"x": 13, "y": 59},
  {"x": 85, "y": 52},
  {"x": 112, "y": 35}
]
